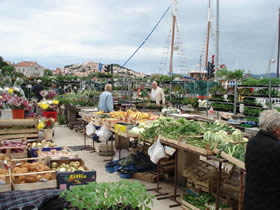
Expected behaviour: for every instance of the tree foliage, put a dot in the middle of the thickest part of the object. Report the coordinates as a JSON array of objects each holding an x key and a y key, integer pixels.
[{"x": 230, "y": 75}]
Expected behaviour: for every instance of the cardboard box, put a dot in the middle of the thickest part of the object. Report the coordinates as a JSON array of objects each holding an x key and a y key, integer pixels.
[{"x": 65, "y": 180}]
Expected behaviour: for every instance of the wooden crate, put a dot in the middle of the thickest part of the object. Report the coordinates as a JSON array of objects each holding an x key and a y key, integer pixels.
[
  {"x": 36, "y": 185},
  {"x": 15, "y": 155},
  {"x": 145, "y": 176},
  {"x": 6, "y": 187},
  {"x": 29, "y": 129},
  {"x": 187, "y": 206},
  {"x": 231, "y": 159},
  {"x": 198, "y": 176}
]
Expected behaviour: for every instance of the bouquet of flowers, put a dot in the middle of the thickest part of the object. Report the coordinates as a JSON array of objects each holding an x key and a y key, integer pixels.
[
  {"x": 46, "y": 123},
  {"x": 16, "y": 102},
  {"x": 48, "y": 105},
  {"x": 48, "y": 94}
]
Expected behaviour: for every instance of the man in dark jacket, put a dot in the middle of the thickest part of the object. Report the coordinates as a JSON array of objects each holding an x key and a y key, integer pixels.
[
  {"x": 262, "y": 162},
  {"x": 37, "y": 89}
]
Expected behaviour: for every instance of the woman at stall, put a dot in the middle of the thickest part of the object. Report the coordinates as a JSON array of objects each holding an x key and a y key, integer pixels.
[{"x": 262, "y": 162}]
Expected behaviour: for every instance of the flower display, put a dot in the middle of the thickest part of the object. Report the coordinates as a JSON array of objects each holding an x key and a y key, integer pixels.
[
  {"x": 48, "y": 94},
  {"x": 48, "y": 105},
  {"x": 46, "y": 123},
  {"x": 10, "y": 90},
  {"x": 16, "y": 102}
]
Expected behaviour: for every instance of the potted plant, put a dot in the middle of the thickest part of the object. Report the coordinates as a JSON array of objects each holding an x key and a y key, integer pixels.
[
  {"x": 18, "y": 105},
  {"x": 106, "y": 195}
]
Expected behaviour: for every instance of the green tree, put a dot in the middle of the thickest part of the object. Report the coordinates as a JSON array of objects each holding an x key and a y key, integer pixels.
[{"x": 48, "y": 72}]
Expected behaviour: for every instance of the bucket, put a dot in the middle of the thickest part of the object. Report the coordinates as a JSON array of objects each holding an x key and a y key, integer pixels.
[
  {"x": 18, "y": 113},
  {"x": 48, "y": 134},
  {"x": 6, "y": 114}
]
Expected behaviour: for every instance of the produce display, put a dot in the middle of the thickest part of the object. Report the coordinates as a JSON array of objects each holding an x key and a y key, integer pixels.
[
  {"x": 43, "y": 143},
  {"x": 54, "y": 154},
  {"x": 14, "y": 145},
  {"x": 24, "y": 167},
  {"x": 71, "y": 167},
  {"x": 199, "y": 134},
  {"x": 203, "y": 201},
  {"x": 5, "y": 162}
]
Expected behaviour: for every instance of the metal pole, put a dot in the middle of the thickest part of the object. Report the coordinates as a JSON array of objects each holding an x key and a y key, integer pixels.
[
  {"x": 235, "y": 97},
  {"x": 208, "y": 34},
  {"x": 173, "y": 35},
  {"x": 269, "y": 87},
  {"x": 217, "y": 37},
  {"x": 278, "y": 46}
]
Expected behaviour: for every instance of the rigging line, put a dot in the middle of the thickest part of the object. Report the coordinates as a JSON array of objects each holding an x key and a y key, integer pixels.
[{"x": 146, "y": 37}]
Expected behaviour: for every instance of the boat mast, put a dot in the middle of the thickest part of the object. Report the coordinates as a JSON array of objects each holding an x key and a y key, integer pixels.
[
  {"x": 173, "y": 36},
  {"x": 208, "y": 33},
  {"x": 277, "y": 69},
  {"x": 217, "y": 37}
]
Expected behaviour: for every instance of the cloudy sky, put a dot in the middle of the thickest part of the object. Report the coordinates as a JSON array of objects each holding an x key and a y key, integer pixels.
[{"x": 60, "y": 32}]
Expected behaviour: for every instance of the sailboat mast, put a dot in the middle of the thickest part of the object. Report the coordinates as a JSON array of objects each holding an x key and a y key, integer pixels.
[
  {"x": 208, "y": 34},
  {"x": 217, "y": 36},
  {"x": 173, "y": 36},
  {"x": 278, "y": 46}
]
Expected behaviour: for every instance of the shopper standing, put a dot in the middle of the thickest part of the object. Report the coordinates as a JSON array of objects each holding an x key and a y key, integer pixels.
[
  {"x": 262, "y": 161},
  {"x": 37, "y": 89},
  {"x": 106, "y": 102},
  {"x": 157, "y": 94}
]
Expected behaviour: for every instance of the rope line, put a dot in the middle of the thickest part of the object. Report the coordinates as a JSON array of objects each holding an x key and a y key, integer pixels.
[{"x": 146, "y": 37}]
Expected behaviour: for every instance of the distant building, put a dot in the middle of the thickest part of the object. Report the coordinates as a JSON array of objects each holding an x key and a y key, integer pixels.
[{"x": 29, "y": 69}]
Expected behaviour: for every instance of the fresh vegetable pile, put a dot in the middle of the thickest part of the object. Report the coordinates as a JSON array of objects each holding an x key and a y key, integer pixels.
[
  {"x": 203, "y": 201},
  {"x": 71, "y": 167}
]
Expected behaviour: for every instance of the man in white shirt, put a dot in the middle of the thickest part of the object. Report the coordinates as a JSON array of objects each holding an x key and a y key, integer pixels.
[{"x": 157, "y": 94}]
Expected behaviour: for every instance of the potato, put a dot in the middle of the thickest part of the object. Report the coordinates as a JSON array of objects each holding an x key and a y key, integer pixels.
[
  {"x": 3, "y": 171},
  {"x": 46, "y": 176},
  {"x": 26, "y": 165},
  {"x": 30, "y": 178},
  {"x": 15, "y": 169}
]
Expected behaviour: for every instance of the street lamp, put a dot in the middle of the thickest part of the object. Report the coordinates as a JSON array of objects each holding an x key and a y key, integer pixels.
[{"x": 269, "y": 88}]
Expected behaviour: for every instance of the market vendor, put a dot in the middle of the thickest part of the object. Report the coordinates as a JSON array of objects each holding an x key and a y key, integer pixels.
[
  {"x": 37, "y": 89},
  {"x": 106, "y": 102},
  {"x": 262, "y": 162},
  {"x": 157, "y": 94}
]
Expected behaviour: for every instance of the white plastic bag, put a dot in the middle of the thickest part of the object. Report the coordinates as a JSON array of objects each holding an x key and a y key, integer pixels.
[
  {"x": 156, "y": 151},
  {"x": 104, "y": 133},
  {"x": 90, "y": 129}
]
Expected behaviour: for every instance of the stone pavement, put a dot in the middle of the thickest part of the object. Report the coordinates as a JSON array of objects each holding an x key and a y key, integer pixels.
[{"x": 66, "y": 137}]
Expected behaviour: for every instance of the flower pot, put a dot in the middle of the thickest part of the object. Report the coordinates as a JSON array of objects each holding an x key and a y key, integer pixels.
[
  {"x": 48, "y": 134},
  {"x": 18, "y": 113},
  {"x": 6, "y": 114},
  {"x": 50, "y": 114}
]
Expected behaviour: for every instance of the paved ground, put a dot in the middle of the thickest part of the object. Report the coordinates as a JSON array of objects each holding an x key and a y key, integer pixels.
[{"x": 66, "y": 137}]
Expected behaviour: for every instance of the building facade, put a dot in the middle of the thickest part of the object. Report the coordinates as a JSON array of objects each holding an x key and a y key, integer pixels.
[{"x": 29, "y": 69}]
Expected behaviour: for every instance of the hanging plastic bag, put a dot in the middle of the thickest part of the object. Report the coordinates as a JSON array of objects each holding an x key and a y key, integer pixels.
[
  {"x": 104, "y": 133},
  {"x": 156, "y": 151},
  {"x": 90, "y": 129}
]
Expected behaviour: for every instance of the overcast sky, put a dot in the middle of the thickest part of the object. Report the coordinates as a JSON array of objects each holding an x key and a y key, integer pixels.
[{"x": 56, "y": 33}]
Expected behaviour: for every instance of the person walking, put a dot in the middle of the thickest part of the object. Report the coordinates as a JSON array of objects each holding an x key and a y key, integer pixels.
[
  {"x": 106, "y": 102},
  {"x": 262, "y": 158}
]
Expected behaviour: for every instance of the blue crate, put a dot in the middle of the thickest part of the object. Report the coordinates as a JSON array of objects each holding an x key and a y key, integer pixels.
[{"x": 44, "y": 149}]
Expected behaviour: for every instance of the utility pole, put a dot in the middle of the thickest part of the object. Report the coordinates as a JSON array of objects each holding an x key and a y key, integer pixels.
[
  {"x": 277, "y": 69},
  {"x": 217, "y": 37},
  {"x": 208, "y": 34},
  {"x": 173, "y": 36}
]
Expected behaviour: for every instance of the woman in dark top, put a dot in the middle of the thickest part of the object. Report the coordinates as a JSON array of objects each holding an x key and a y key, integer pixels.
[{"x": 262, "y": 162}]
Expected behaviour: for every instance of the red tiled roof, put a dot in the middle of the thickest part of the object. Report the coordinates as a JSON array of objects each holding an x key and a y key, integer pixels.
[{"x": 25, "y": 63}]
